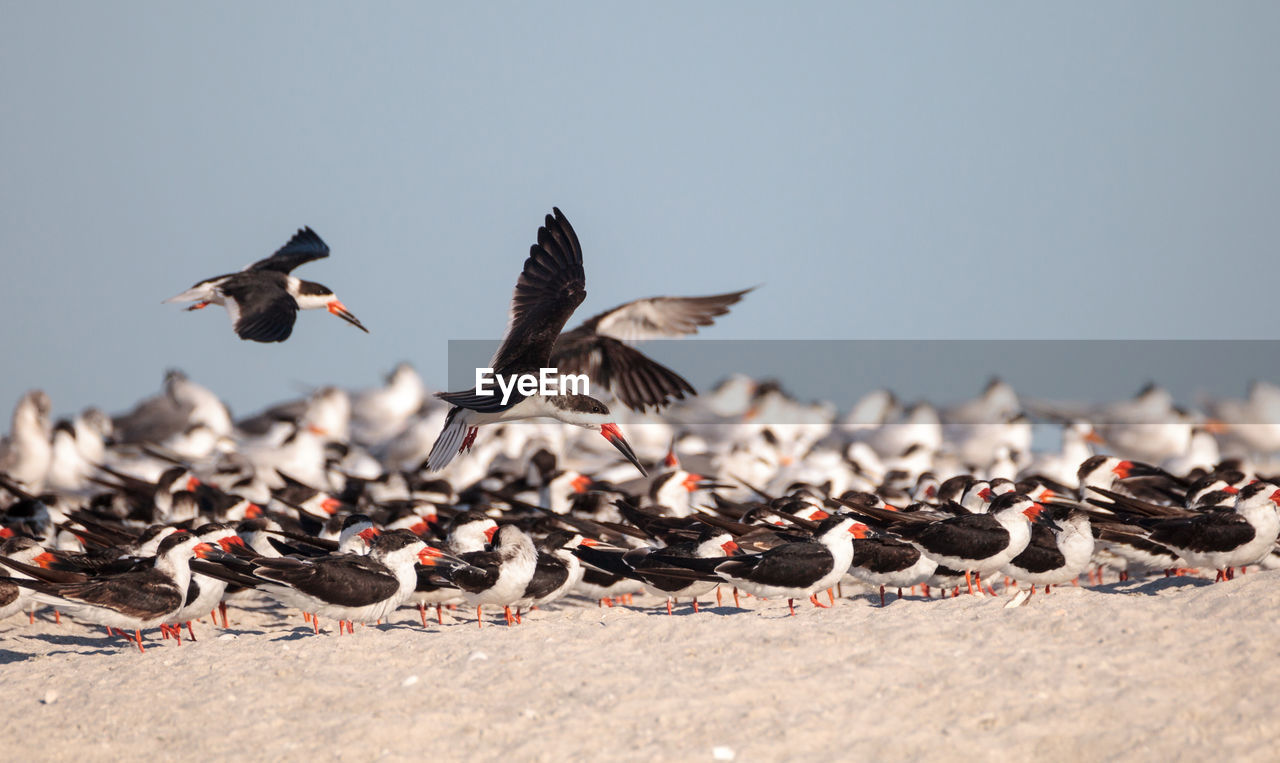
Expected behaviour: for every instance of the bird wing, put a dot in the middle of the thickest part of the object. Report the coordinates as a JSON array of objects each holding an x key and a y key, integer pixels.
[
  {"x": 140, "y": 596},
  {"x": 304, "y": 247},
  {"x": 634, "y": 378},
  {"x": 789, "y": 565},
  {"x": 343, "y": 580},
  {"x": 261, "y": 310},
  {"x": 549, "y": 289},
  {"x": 658, "y": 317},
  {"x": 978, "y": 535},
  {"x": 1214, "y": 531}
]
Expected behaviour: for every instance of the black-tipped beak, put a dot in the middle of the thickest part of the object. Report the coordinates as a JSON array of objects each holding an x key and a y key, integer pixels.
[
  {"x": 340, "y": 310},
  {"x": 611, "y": 433}
]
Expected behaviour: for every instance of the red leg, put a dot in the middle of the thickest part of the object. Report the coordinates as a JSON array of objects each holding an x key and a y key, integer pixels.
[
  {"x": 695, "y": 604},
  {"x": 792, "y": 605},
  {"x": 422, "y": 612},
  {"x": 717, "y": 596},
  {"x": 518, "y": 620},
  {"x": 669, "y": 606},
  {"x": 479, "y": 617},
  {"x": 831, "y": 597},
  {"x": 439, "y": 615},
  {"x": 57, "y": 617},
  {"x": 315, "y": 624},
  {"x": 882, "y": 595},
  {"x": 222, "y": 607},
  {"x": 193, "y": 633},
  {"x": 813, "y": 599},
  {"x": 968, "y": 581},
  {"x": 735, "y": 598},
  {"x": 137, "y": 635}
]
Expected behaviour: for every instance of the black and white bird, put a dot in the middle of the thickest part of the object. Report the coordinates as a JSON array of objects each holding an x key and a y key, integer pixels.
[
  {"x": 140, "y": 598},
  {"x": 348, "y": 587},
  {"x": 549, "y": 289},
  {"x": 263, "y": 300},
  {"x": 796, "y": 570}
]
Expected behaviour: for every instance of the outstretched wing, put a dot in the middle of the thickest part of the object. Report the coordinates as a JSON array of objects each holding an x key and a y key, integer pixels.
[
  {"x": 549, "y": 289},
  {"x": 305, "y": 246},
  {"x": 634, "y": 378},
  {"x": 659, "y": 317},
  {"x": 597, "y": 347}
]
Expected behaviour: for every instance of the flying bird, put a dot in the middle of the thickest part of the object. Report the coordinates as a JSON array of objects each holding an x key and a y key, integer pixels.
[
  {"x": 263, "y": 300},
  {"x": 551, "y": 286}
]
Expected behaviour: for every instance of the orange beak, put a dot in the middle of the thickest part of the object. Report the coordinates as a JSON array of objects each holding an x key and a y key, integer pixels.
[
  {"x": 580, "y": 483},
  {"x": 1093, "y": 437},
  {"x": 488, "y": 534},
  {"x": 340, "y": 310},
  {"x": 729, "y": 547},
  {"x": 611, "y": 433},
  {"x": 203, "y": 550},
  {"x": 253, "y": 511},
  {"x": 330, "y": 505}
]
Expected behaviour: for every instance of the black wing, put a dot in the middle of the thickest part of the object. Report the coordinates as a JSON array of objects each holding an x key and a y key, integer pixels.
[
  {"x": 1041, "y": 554},
  {"x": 549, "y": 289},
  {"x": 634, "y": 378},
  {"x": 882, "y": 555},
  {"x": 263, "y": 311},
  {"x": 1216, "y": 531},
  {"x": 347, "y": 581},
  {"x": 480, "y": 571},
  {"x": 143, "y": 596},
  {"x": 975, "y": 536},
  {"x": 304, "y": 247},
  {"x": 548, "y": 575},
  {"x": 792, "y": 565}
]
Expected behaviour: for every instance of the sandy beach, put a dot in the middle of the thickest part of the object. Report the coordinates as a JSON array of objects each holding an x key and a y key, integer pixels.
[{"x": 1164, "y": 668}]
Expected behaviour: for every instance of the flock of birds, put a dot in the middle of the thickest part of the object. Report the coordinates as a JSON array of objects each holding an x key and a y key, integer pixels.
[{"x": 348, "y": 505}]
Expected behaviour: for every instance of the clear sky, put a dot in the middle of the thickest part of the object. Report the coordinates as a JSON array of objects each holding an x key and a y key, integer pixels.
[{"x": 886, "y": 170}]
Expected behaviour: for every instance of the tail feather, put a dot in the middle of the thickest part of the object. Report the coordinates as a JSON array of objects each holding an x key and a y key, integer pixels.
[
  {"x": 201, "y": 292},
  {"x": 448, "y": 442}
]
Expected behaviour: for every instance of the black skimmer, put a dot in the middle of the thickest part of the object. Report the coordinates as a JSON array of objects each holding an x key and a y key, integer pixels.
[
  {"x": 981, "y": 543},
  {"x": 133, "y": 600},
  {"x": 557, "y": 572},
  {"x": 1060, "y": 548},
  {"x": 654, "y": 569},
  {"x": 499, "y": 576},
  {"x": 1223, "y": 539},
  {"x": 600, "y": 348},
  {"x": 469, "y": 532},
  {"x": 204, "y": 594},
  {"x": 348, "y": 587},
  {"x": 791, "y": 570},
  {"x": 888, "y": 562},
  {"x": 263, "y": 300},
  {"x": 13, "y": 597},
  {"x": 549, "y": 289}
]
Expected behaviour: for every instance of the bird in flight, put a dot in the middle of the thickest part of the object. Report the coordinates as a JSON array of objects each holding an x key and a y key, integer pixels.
[{"x": 263, "y": 300}]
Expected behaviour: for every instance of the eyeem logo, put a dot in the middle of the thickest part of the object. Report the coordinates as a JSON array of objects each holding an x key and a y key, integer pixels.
[{"x": 548, "y": 381}]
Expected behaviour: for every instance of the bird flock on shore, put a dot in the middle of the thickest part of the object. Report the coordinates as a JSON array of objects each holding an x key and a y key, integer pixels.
[{"x": 346, "y": 506}]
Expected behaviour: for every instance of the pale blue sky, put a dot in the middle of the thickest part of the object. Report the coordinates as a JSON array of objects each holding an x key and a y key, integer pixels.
[{"x": 995, "y": 170}]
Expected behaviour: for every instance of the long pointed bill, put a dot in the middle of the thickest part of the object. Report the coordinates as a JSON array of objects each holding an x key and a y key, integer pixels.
[
  {"x": 611, "y": 433},
  {"x": 340, "y": 310}
]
